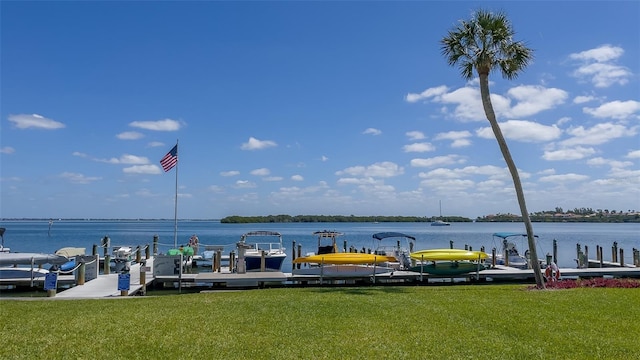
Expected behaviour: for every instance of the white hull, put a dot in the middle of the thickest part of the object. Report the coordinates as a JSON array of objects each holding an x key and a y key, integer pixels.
[{"x": 343, "y": 270}]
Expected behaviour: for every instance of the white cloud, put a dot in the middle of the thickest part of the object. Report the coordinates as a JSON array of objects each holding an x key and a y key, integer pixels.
[
  {"x": 634, "y": 154},
  {"x": 255, "y": 144},
  {"x": 260, "y": 172},
  {"x": 230, "y": 173},
  {"x": 598, "y": 134},
  {"x": 460, "y": 138},
  {"x": 528, "y": 100},
  {"x": 142, "y": 169},
  {"x": 7, "y": 150},
  {"x": 597, "y": 65},
  {"x": 372, "y": 131},
  {"x": 583, "y": 99},
  {"x": 381, "y": 169},
  {"x": 25, "y": 121},
  {"x": 415, "y": 135},
  {"x": 525, "y": 131},
  {"x": 534, "y": 99},
  {"x": 431, "y": 92},
  {"x": 575, "y": 153},
  {"x": 564, "y": 178},
  {"x": 437, "y": 161},
  {"x": 130, "y": 135},
  {"x": 159, "y": 125},
  {"x": 79, "y": 178},
  {"x": 297, "y": 178},
  {"x": 419, "y": 147},
  {"x": 614, "y": 109},
  {"x": 245, "y": 184},
  {"x": 126, "y": 159}
]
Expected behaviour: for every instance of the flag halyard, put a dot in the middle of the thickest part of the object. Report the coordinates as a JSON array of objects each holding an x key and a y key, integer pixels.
[{"x": 170, "y": 160}]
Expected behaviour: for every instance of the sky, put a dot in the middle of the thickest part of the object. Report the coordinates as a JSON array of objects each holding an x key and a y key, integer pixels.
[{"x": 310, "y": 108}]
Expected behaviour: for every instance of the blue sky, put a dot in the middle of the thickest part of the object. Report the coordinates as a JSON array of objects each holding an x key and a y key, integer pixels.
[{"x": 310, "y": 108}]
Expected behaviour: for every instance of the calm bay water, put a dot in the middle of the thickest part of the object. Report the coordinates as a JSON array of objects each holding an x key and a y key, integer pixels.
[{"x": 35, "y": 236}]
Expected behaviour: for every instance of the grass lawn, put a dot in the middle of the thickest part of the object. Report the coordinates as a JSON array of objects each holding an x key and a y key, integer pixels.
[{"x": 425, "y": 322}]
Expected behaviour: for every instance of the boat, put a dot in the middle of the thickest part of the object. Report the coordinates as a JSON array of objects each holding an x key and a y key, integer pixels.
[
  {"x": 344, "y": 258},
  {"x": 16, "y": 258},
  {"x": 440, "y": 222},
  {"x": 70, "y": 253},
  {"x": 327, "y": 261},
  {"x": 509, "y": 255},
  {"x": 254, "y": 252},
  {"x": 400, "y": 252},
  {"x": 449, "y": 262}
]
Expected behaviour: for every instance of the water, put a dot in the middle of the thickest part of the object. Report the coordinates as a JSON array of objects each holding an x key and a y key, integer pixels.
[{"x": 35, "y": 236}]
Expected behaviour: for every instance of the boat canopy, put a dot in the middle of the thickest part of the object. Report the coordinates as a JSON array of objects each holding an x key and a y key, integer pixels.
[
  {"x": 261, "y": 233},
  {"x": 505, "y": 235},
  {"x": 384, "y": 235}
]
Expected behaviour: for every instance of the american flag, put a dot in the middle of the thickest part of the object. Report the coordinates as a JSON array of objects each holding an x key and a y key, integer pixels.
[{"x": 170, "y": 160}]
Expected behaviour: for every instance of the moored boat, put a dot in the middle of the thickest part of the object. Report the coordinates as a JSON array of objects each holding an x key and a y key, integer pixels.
[
  {"x": 400, "y": 252},
  {"x": 327, "y": 261},
  {"x": 273, "y": 253},
  {"x": 448, "y": 261}
]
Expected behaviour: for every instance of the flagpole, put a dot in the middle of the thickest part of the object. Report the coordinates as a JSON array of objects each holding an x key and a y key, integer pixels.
[{"x": 175, "y": 210}]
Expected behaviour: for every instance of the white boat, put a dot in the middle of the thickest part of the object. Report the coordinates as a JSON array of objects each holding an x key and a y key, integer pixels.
[
  {"x": 16, "y": 258},
  {"x": 254, "y": 252},
  {"x": 510, "y": 256},
  {"x": 439, "y": 222},
  {"x": 401, "y": 252}
]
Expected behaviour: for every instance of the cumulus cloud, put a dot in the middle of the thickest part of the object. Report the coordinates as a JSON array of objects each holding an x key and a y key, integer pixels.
[
  {"x": 519, "y": 101},
  {"x": 415, "y": 135},
  {"x": 77, "y": 178},
  {"x": 297, "y": 178},
  {"x": 598, "y": 134},
  {"x": 372, "y": 131},
  {"x": 583, "y": 99},
  {"x": 419, "y": 147},
  {"x": 26, "y": 121},
  {"x": 598, "y": 66},
  {"x": 255, "y": 144},
  {"x": 575, "y": 153},
  {"x": 7, "y": 150},
  {"x": 531, "y": 99},
  {"x": 129, "y": 135},
  {"x": 126, "y": 159},
  {"x": 142, "y": 169},
  {"x": 437, "y": 161},
  {"x": 158, "y": 125},
  {"x": 260, "y": 172},
  {"x": 459, "y": 138},
  {"x": 634, "y": 154},
  {"x": 614, "y": 109},
  {"x": 380, "y": 169},
  {"x": 230, "y": 173},
  {"x": 571, "y": 177},
  {"x": 524, "y": 131},
  {"x": 245, "y": 184},
  {"x": 431, "y": 92}
]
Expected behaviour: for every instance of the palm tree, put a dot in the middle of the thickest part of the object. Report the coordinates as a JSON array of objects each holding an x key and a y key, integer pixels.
[{"x": 483, "y": 43}]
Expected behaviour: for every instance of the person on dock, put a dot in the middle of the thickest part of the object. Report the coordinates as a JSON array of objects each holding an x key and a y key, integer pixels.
[{"x": 193, "y": 242}]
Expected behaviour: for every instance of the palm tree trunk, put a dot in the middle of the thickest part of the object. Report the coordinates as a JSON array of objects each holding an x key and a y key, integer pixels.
[{"x": 491, "y": 116}]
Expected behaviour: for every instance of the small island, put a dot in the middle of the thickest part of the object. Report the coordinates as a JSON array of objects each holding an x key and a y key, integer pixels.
[{"x": 556, "y": 215}]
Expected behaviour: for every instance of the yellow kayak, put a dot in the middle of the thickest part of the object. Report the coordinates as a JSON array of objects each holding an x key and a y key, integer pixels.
[
  {"x": 344, "y": 258},
  {"x": 448, "y": 254}
]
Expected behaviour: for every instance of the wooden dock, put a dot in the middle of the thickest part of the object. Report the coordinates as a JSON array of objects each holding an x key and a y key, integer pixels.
[{"x": 107, "y": 285}]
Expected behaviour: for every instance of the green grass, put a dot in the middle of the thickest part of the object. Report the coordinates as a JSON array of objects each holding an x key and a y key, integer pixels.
[{"x": 447, "y": 322}]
